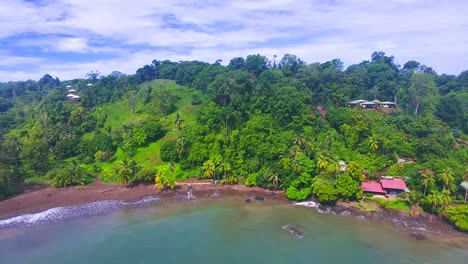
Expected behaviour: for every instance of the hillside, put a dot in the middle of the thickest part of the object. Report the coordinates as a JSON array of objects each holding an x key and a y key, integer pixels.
[
  {"x": 147, "y": 155},
  {"x": 290, "y": 126}
]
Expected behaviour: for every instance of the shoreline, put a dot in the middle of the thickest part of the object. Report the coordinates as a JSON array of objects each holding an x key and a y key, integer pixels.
[{"x": 37, "y": 201}]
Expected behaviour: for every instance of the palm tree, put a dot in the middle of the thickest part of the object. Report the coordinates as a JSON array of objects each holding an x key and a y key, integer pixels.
[
  {"x": 373, "y": 144},
  {"x": 427, "y": 178},
  {"x": 333, "y": 168},
  {"x": 180, "y": 145},
  {"x": 126, "y": 170},
  {"x": 413, "y": 197},
  {"x": 297, "y": 166},
  {"x": 178, "y": 120},
  {"x": 447, "y": 177},
  {"x": 295, "y": 151},
  {"x": 299, "y": 141},
  {"x": 445, "y": 198},
  {"x": 209, "y": 169},
  {"x": 434, "y": 199},
  {"x": 275, "y": 180},
  {"x": 322, "y": 161},
  {"x": 225, "y": 168}
]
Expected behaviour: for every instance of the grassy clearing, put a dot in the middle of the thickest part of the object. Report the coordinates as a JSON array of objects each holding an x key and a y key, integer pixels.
[
  {"x": 43, "y": 180},
  {"x": 397, "y": 204},
  {"x": 367, "y": 207},
  {"x": 119, "y": 112}
]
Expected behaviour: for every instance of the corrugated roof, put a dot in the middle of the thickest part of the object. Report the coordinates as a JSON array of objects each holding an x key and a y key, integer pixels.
[
  {"x": 393, "y": 184},
  {"x": 387, "y": 103},
  {"x": 356, "y": 101},
  {"x": 374, "y": 187}
]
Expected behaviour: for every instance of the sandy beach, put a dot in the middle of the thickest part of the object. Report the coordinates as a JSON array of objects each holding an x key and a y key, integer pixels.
[{"x": 37, "y": 199}]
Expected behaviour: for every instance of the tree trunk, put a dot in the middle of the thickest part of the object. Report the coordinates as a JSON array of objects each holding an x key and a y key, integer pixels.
[
  {"x": 226, "y": 124},
  {"x": 425, "y": 187},
  {"x": 466, "y": 192},
  {"x": 416, "y": 109}
]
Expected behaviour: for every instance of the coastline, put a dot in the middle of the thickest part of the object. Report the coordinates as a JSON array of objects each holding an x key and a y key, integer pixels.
[
  {"x": 39, "y": 200},
  {"x": 36, "y": 201}
]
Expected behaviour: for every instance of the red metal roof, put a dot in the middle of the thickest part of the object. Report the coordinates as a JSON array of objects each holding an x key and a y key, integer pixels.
[
  {"x": 374, "y": 187},
  {"x": 393, "y": 184}
]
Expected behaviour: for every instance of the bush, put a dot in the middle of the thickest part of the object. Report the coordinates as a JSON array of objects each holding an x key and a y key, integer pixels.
[
  {"x": 458, "y": 216},
  {"x": 67, "y": 176},
  {"x": 168, "y": 151},
  {"x": 300, "y": 189},
  {"x": 146, "y": 175}
]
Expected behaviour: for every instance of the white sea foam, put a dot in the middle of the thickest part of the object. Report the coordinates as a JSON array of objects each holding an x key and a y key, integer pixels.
[
  {"x": 62, "y": 213},
  {"x": 320, "y": 208},
  {"x": 308, "y": 204}
]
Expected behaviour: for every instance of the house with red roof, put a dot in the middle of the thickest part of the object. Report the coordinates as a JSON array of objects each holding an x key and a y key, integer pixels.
[
  {"x": 372, "y": 187},
  {"x": 385, "y": 186}
]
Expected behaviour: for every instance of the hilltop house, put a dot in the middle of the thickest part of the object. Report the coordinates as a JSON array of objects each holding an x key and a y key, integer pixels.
[
  {"x": 354, "y": 103},
  {"x": 367, "y": 104},
  {"x": 385, "y": 186},
  {"x": 387, "y": 104}
]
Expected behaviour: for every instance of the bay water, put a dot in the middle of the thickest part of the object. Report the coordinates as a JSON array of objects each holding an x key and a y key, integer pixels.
[{"x": 220, "y": 231}]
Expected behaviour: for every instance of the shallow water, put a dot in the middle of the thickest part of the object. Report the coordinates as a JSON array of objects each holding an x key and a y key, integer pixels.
[{"x": 218, "y": 231}]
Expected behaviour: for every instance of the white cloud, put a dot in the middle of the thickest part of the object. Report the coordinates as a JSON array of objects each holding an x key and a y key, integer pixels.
[{"x": 432, "y": 32}]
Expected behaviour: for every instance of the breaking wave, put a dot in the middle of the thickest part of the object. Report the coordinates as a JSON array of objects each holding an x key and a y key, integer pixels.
[
  {"x": 62, "y": 213},
  {"x": 320, "y": 208}
]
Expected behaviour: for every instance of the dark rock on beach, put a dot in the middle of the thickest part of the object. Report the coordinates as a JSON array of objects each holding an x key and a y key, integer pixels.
[
  {"x": 418, "y": 236},
  {"x": 259, "y": 198}
]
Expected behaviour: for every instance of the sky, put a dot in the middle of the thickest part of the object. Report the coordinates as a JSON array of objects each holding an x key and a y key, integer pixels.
[{"x": 69, "y": 38}]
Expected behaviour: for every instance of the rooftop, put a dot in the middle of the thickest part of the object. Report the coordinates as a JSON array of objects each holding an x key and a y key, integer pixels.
[
  {"x": 357, "y": 101},
  {"x": 393, "y": 184},
  {"x": 374, "y": 187}
]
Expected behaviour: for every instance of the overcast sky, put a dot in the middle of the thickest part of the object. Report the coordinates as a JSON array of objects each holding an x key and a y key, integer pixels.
[{"x": 68, "y": 38}]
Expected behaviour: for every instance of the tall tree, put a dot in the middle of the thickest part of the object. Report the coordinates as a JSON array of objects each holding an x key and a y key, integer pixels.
[
  {"x": 427, "y": 178},
  {"x": 446, "y": 177},
  {"x": 422, "y": 91}
]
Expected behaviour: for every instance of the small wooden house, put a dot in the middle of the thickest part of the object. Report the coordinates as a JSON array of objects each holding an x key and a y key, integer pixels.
[
  {"x": 354, "y": 103},
  {"x": 387, "y": 104},
  {"x": 367, "y": 104}
]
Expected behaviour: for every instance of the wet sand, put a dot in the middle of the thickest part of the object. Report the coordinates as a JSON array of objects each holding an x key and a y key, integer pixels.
[{"x": 34, "y": 201}]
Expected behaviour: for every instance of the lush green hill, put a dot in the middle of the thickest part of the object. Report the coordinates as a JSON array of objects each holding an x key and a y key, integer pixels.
[
  {"x": 251, "y": 121},
  {"x": 147, "y": 155}
]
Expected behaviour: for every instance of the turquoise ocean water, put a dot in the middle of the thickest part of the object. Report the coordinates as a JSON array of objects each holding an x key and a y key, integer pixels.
[{"x": 219, "y": 231}]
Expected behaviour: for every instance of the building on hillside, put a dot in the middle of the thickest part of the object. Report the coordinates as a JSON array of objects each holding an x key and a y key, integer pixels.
[
  {"x": 376, "y": 101},
  {"x": 75, "y": 98},
  {"x": 385, "y": 186},
  {"x": 394, "y": 187},
  {"x": 343, "y": 165},
  {"x": 387, "y": 104},
  {"x": 89, "y": 85},
  {"x": 72, "y": 91},
  {"x": 354, "y": 103},
  {"x": 68, "y": 87},
  {"x": 367, "y": 104},
  {"x": 373, "y": 188}
]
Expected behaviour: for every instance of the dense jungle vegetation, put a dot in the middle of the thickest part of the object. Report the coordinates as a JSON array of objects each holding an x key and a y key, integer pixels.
[{"x": 280, "y": 124}]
